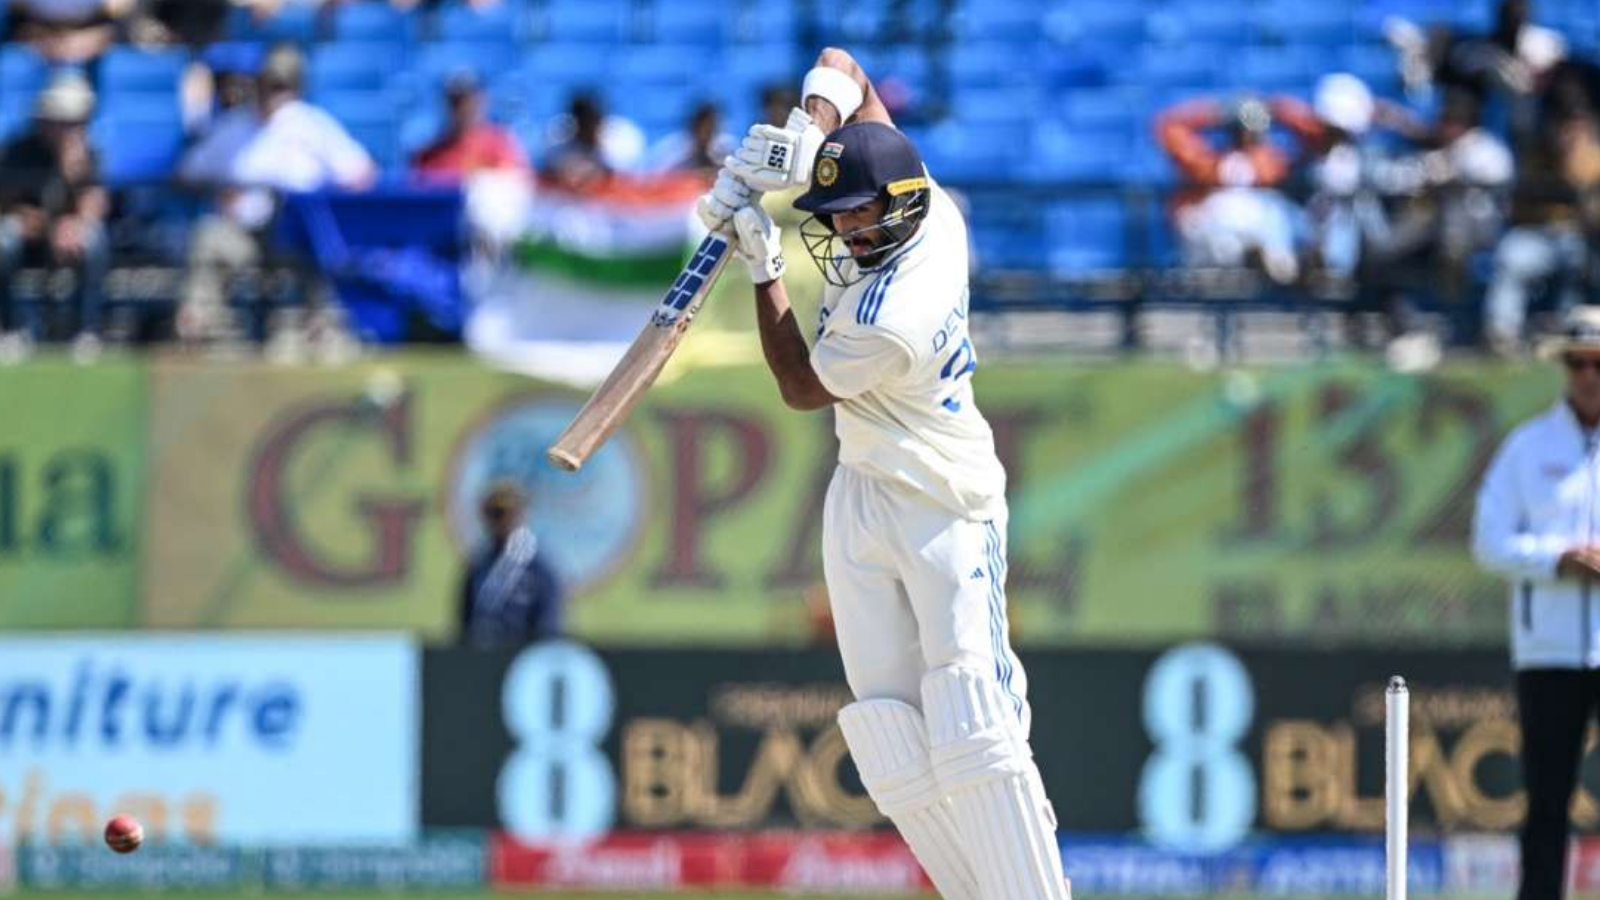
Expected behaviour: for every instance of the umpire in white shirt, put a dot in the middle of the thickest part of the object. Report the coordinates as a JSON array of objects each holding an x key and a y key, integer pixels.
[{"x": 1536, "y": 525}]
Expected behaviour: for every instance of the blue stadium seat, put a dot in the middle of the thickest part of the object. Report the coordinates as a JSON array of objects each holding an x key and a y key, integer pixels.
[
  {"x": 1107, "y": 109},
  {"x": 370, "y": 118},
  {"x": 497, "y": 23},
  {"x": 1086, "y": 235},
  {"x": 22, "y": 71},
  {"x": 658, "y": 109},
  {"x": 1374, "y": 64},
  {"x": 292, "y": 23},
  {"x": 765, "y": 24},
  {"x": 137, "y": 145},
  {"x": 1080, "y": 66},
  {"x": 352, "y": 66},
  {"x": 987, "y": 64},
  {"x": 1185, "y": 65},
  {"x": 124, "y": 69},
  {"x": 1475, "y": 15},
  {"x": 1329, "y": 25},
  {"x": 418, "y": 128},
  {"x": 1273, "y": 69},
  {"x": 683, "y": 64},
  {"x": 1005, "y": 235},
  {"x": 565, "y": 64},
  {"x": 1226, "y": 24},
  {"x": 757, "y": 67},
  {"x": 373, "y": 20},
  {"x": 692, "y": 23},
  {"x": 996, "y": 104},
  {"x": 588, "y": 21},
  {"x": 856, "y": 25},
  {"x": 233, "y": 56},
  {"x": 1119, "y": 25},
  {"x": 1014, "y": 21},
  {"x": 436, "y": 62},
  {"x": 152, "y": 106},
  {"x": 705, "y": 23},
  {"x": 909, "y": 64},
  {"x": 1060, "y": 152},
  {"x": 970, "y": 152},
  {"x": 13, "y": 118},
  {"x": 998, "y": 247},
  {"x": 1150, "y": 165}
]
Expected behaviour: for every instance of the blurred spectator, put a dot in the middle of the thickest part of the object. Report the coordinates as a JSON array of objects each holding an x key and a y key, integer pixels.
[
  {"x": 1231, "y": 214},
  {"x": 226, "y": 82},
  {"x": 1453, "y": 202},
  {"x": 52, "y": 207},
  {"x": 1555, "y": 211},
  {"x": 1336, "y": 132},
  {"x": 282, "y": 143},
  {"x": 470, "y": 143},
  {"x": 67, "y": 31},
  {"x": 577, "y": 163},
  {"x": 193, "y": 23},
  {"x": 776, "y": 101},
  {"x": 1511, "y": 61},
  {"x": 509, "y": 594},
  {"x": 699, "y": 148},
  {"x": 589, "y": 146}
]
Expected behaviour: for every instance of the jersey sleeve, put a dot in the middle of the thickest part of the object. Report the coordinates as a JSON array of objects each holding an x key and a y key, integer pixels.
[
  {"x": 851, "y": 363},
  {"x": 346, "y": 160}
]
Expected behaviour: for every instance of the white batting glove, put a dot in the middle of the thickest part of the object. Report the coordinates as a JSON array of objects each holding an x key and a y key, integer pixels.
[
  {"x": 757, "y": 241},
  {"x": 717, "y": 206},
  {"x": 773, "y": 158}
]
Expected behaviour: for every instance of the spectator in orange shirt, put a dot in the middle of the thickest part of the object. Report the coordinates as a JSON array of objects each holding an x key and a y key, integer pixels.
[
  {"x": 470, "y": 143},
  {"x": 1232, "y": 215}
]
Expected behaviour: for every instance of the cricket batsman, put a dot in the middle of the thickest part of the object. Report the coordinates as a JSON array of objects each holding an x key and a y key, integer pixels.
[{"x": 914, "y": 532}]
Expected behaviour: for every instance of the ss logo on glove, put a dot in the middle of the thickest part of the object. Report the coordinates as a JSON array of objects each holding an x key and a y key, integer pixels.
[{"x": 778, "y": 156}]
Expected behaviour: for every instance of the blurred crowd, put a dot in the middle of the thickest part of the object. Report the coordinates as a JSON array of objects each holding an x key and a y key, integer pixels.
[
  {"x": 1477, "y": 185},
  {"x": 1487, "y": 171},
  {"x": 251, "y": 135}
]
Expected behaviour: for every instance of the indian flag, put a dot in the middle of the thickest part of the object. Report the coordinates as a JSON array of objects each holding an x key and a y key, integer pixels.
[{"x": 570, "y": 290}]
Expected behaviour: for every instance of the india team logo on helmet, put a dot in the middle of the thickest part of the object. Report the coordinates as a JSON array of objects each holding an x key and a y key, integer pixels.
[
  {"x": 858, "y": 164},
  {"x": 827, "y": 168}
]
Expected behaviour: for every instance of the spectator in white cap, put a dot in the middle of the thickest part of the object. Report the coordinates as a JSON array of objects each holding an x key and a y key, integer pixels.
[
  {"x": 1345, "y": 210},
  {"x": 280, "y": 144},
  {"x": 52, "y": 212}
]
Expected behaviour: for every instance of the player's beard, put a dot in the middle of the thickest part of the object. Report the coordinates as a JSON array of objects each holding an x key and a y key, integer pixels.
[
  {"x": 830, "y": 249},
  {"x": 867, "y": 246}
]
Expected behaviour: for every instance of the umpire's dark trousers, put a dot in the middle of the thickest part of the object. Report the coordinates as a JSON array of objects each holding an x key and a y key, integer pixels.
[{"x": 1556, "y": 706}]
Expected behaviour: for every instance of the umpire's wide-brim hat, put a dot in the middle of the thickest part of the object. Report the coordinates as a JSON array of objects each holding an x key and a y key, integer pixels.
[
  {"x": 1580, "y": 333},
  {"x": 857, "y": 162}
]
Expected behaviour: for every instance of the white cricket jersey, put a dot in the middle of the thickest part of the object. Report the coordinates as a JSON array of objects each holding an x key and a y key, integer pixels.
[{"x": 894, "y": 347}]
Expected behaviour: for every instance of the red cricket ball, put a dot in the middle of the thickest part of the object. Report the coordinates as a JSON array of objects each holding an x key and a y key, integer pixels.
[{"x": 124, "y": 834}]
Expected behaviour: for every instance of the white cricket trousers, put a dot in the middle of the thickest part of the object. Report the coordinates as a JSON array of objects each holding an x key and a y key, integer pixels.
[{"x": 914, "y": 587}]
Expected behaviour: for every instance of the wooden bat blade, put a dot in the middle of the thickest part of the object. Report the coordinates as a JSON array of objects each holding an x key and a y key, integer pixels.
[{"x": 608, "y": 407}]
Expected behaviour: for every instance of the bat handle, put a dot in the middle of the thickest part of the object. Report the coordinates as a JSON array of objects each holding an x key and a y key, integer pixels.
[{"x": 563, "y": 459}]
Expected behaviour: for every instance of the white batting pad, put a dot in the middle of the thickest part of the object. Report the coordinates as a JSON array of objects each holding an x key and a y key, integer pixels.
[
  {"x": 984, "y": 765},
  {"x": 890, "y": 748}
]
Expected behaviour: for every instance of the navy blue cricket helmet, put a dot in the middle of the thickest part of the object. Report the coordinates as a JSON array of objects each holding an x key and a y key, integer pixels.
[{"x": 855, "y": 165}]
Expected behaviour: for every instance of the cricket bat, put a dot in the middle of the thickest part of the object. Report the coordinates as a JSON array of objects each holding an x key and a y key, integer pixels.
[{"x": 616, "y": 397}]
